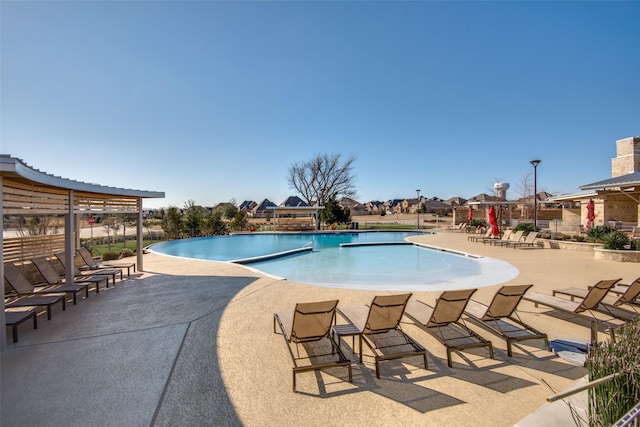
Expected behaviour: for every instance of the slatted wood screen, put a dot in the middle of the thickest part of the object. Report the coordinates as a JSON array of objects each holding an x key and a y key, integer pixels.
[
  {"x": 20, "y": 249},
  {"x": 32, "y": 199}
]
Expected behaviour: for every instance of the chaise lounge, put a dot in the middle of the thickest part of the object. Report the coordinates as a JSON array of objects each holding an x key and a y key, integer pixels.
[
  {"x": 501, "y": 317},
  {"x": 590, "y": 303},
  {"x": 378, "y": 326},
  {"x": 17, "y": 280},
  {"x": 309, "y": 327},
  {"x": 444, "y": 322}
]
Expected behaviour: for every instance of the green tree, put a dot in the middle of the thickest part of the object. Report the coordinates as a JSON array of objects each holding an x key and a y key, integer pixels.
[
  {"x": 322, "y": 177},
  {"x": 172, "y": 223},
  {"x": 213, "y": 224},
  {"x": 230, "y": 210},
  {"x": 333, "y": 213},
  {"x": 193, "y": 218},
  {"x": 240, "y": 221}
]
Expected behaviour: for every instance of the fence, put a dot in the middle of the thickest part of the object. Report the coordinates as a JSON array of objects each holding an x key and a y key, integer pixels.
[{"x": 19, "y": 249}]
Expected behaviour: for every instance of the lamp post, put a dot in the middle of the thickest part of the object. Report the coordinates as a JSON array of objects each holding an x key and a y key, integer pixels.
[
  {"x": 418, "y": 191},
  {"x": 535, "y": 164}
]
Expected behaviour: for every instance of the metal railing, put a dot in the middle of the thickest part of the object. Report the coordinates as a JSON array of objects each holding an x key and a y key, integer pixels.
[{"x": 631, "y": 418}]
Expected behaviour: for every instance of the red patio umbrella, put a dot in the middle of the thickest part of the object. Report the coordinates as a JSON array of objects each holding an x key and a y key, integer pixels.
[
  {"x": 591, "y": 216},
  {"x": 470, "y": 215},
  {"x": 494, "y": 222}
]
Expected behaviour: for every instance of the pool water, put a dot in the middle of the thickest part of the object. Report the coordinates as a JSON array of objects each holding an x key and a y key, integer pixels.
[{"x": 360, "y": 260}]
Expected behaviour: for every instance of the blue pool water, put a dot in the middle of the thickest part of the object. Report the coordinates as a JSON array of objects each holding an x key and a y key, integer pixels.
[{"x": 348, "y": 260}]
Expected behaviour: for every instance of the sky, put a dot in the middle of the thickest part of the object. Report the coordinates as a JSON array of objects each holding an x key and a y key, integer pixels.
[{"x": 213, "y": 101}]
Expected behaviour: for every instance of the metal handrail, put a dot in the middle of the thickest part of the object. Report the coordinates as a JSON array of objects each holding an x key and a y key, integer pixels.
[{"x": 582, "y": 387}]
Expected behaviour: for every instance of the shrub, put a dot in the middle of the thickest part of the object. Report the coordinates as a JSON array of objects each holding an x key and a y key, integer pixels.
[
  {"x": 578, "y": 238},
  {"x": 595, "y": 234},
  {"x": 477, "y": 223},
  {"x": 610, "y": 401},
  {"x": 524, "y": 226},
  {"x": 109, "y": 256},
  {"x": 615, "y": 240},
  {"x": 126, "y": 253}
]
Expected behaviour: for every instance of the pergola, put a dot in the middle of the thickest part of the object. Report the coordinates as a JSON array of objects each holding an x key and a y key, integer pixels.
[
  {"x": 279, "y": 211},
  {"x": 28, "y": 191}
]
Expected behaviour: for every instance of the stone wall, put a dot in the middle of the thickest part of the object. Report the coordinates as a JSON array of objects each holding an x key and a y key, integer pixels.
[{"x": 628, "y": 157}]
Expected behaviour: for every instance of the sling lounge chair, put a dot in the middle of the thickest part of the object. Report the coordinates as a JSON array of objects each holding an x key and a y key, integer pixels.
[
  {"x": 91, "y": 264},
  {"x": 23, "y": 287},
  {"x": 51, "y": 276},
  {"x": 611, "y": 302},
  {"x": 530, "y": 241},
  {"x": 486, "y": 235},
  {"x": 96, "y": 276},
  {"x": 505, "y": 237},
  {"x": 378, "y": 325},
  {"x": 17, "y": 280},
  {"x": 444, "y": 322},
  {"x": 590, "y": 302},
  {"x": 501, "y": 318},
  {"x": 511, "y": 239},
  {"x": 309, "y": 327},
  {"x": 15, "y": 318}
]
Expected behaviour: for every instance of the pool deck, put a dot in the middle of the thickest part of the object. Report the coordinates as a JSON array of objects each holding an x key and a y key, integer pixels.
[{"x": 191, "y": 343}]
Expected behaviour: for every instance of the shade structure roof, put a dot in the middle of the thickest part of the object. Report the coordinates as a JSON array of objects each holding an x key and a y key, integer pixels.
[
  {"x": 29, "y": 191},
  {"x": 624, "y": 181}
]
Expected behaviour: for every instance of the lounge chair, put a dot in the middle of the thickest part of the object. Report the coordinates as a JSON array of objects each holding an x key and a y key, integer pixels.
[
  {"x": 486, "y": 235},
  {"x": 501, "y": 318},
  {"x": 93, "y": 276},
  {"x": 18, "y": 280},
  {"x": 444, "y": 322},
  {"x": 512, "y": 238},
  {"x": 590, "y": 303},
  {"x": 55, "y": 281},
  {"x": 23, "y": 287},
  {"x": 530, "y": 241},
  {"x": 15, "y": 318},
  {"x": 457, "y": 227},
  {"x": 505, "y": 237},
  {"x": 378, "y": 325},
  {"x": 91, "y": 264},
  {"x": 611, "y": 302},
  {"x": 309, "y": 326}
]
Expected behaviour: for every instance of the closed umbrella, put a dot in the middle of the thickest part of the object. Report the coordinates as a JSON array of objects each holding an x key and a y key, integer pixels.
[
  {"x": 470, "y": 215},
  {"x": 494, "y": 222},
  {"x": 591, "y": 215}
]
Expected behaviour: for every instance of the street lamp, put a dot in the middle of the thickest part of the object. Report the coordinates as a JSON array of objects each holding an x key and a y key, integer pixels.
[
  {"x": 535, "y": 164},
  {"x": 418, "y": 191}
]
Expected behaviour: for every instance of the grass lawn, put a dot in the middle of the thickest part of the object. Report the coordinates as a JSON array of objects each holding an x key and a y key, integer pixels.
[{"x": 98, "y": 250}]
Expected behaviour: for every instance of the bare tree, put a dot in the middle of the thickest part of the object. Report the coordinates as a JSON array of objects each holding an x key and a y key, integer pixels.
[
  {"x": 323, "y": 177},
  {"x": 525, "y": 190}
]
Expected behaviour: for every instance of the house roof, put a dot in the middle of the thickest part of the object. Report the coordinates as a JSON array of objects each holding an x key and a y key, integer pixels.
[
  {"x": 264, "y": 205},
  {"x": 624, "y": 181},
  {"x": 293, "y": 201}
]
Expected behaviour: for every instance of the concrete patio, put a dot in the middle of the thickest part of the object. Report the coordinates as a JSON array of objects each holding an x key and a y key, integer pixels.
[{"x": 191, "y": 343}]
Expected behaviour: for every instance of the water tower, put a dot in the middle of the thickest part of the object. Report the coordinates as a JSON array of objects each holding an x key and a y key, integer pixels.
[{"x": 501, "y": 189}]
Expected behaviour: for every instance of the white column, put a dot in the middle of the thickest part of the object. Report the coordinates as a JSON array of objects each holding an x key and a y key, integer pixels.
[
  {"x": 3, "y": 334},
  {"x": 139, "y": 236},
  {"x": 69, "y": 241}
]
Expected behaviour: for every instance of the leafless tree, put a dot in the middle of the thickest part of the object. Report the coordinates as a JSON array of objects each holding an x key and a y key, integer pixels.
[
  {"x": 322, "y": 177},
  {"x": 525, "y": 190}
]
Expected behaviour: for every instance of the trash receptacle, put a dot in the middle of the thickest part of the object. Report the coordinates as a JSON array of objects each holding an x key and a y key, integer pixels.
[{"x": 356, "y": 225}]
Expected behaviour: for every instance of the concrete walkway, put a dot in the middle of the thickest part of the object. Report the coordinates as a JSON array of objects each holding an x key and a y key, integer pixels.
[{"x": 191, "y": 343}]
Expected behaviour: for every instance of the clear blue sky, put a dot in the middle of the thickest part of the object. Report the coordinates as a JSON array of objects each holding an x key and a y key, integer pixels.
[{"x": 213, "y": 101}]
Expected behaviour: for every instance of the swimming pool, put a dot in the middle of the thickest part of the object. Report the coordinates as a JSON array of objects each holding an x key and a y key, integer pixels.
[{"x": 354, "y": 260}]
